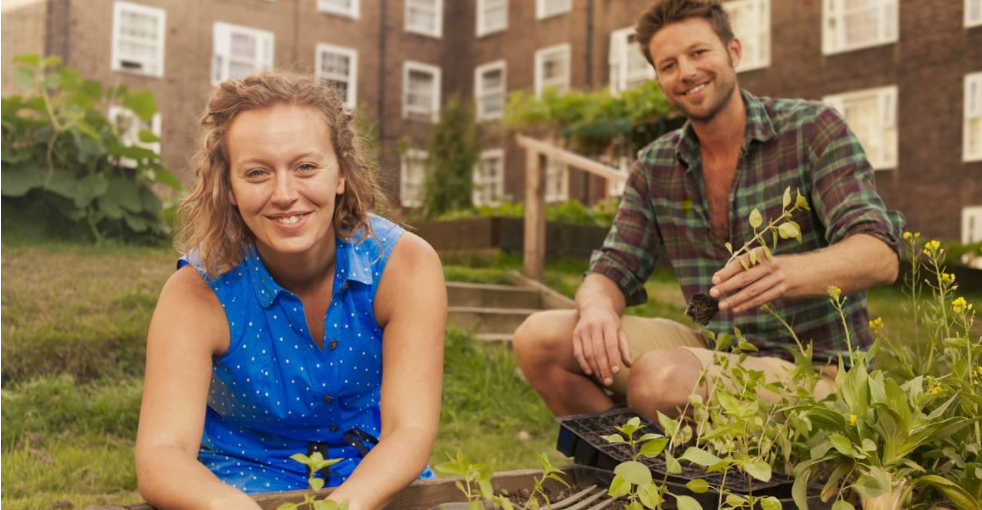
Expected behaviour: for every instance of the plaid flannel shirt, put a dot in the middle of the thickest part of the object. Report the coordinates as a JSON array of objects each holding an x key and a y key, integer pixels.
[{"x": 802, "y": 144}]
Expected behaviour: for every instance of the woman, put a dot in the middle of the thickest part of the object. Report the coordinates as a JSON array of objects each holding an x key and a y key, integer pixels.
[{"x": 272, "y": 340}]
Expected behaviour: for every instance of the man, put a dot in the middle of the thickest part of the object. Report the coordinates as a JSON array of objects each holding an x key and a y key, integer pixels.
[{"x": 691, "y": 192}]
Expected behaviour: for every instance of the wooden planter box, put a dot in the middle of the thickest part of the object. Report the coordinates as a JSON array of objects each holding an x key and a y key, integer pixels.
[{"x": 426, "y": 494}]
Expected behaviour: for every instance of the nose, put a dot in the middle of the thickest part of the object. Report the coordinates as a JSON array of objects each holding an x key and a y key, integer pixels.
[
  {"x": 687, "y": 69},
  {"x": 284, "y": 190}
]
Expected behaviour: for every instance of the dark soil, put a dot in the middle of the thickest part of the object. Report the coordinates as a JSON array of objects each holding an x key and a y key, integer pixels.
[
  {"x": 556, "y": 495},
  {"x": 702, "y": 308}
]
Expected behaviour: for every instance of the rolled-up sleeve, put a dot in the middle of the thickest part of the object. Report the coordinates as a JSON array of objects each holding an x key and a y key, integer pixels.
[
  {"x": 630, "y": 251},
  {"x": 843, "y": 185}
]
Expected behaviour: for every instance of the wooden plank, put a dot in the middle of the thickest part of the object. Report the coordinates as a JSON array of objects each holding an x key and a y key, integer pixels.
[
  {"x": 571, "y": 159},
  {"x": 534, "y": 251}
]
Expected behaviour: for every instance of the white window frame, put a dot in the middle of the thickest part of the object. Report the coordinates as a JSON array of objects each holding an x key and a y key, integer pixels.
[
  {"x": 758, "y": 42},
  {"x": 622, "y": 50},
  {"x": 833, "y": 13},
  {"x": 351, "y": 92},
  {"x": 971, "y": 235},
  {"x": 973, "y": 111},
  {"x": 969, "y": 22},
  {"x": 616, "y": 188},
  {"x": 563, "y": 51},
  {"x": 156, "y": 64},
  {"x": 437, "y": 30},
  {"x": 409, "y": 66},
  {"x": 131, "y": 137},
  {"x": 221, "y": 51},
  {"x": 559, "y": 171},
  {"x": 480, "y": 91},
  {"x": 480, "y": 181},
  {"x": 483, "y": 27},
  {"x": 887, "y": 105},
  {"x": 542, "y": 9},
  {"x": 418, "y": 181},
  {"x": 353, "y": 12}
]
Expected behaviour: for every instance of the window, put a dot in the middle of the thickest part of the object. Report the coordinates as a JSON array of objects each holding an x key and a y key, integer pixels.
[
  {"x": 489, "y": 178},
  {"x": 972, "y": 224},
  {"x": 751, "y": 22},
  {"x": 240, "y": 51},
  {"x": 628, "y": 68},
  {"x": 338, "y": 66},
  {"x": 420, "y": 91},
  {"x": 424, "y": 17},
  {"x": 854, "y": 24},
  {"x": 546, "y": 8},
  {"x": 557, "y": 181},
  {"x": 872, "y": 116},
  {"x": 616, "y": 188},
  {"x": 130, "y": 126},
  {"x": 348, "y": 8},
  {"x": 492, "y": 16},
  {"x": 972, "y": 150},
  {"x": 552, "y": 68},
  {"x": 412, "y": 173},
  {"x": 138, "y": 39},
  {"x": 973, "y": 13},
  {"x": 489, "y": 90}
]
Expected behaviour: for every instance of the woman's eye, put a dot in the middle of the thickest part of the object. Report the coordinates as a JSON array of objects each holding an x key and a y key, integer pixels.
[
  {"x": 255, "y": 172},
  {"x": 306, "y": 167}
]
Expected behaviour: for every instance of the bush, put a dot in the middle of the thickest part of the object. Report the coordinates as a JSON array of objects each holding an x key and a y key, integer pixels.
[
  {"x": 453, "y": 153},
  {"x": 65, "y": 163},
  {"x": 569, "y": 211}
]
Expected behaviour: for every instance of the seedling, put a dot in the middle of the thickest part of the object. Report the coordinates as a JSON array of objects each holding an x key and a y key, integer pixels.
[
  {"x": 476, "y": 484},
  {"x": 314, "y": 463}
]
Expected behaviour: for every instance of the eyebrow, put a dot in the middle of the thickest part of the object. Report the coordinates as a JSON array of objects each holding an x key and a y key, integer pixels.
[{"x": 310, "y": 154}]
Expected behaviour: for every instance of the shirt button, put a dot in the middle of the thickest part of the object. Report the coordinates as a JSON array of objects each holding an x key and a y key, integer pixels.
[
  {"x": 344, "y": 286},
  {"x": 333, "y": 345},
  {"x": 328, "y": 399},
  {"x": 334, "y": 428}
]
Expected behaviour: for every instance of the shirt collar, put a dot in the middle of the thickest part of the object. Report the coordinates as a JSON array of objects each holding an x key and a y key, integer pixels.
[
  {"x": 759, "y": 127},
  {"x": 352, "y": 262}
]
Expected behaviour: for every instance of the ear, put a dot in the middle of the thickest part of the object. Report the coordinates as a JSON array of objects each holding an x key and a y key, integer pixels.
[
  {"x": 339, "y": 190},
  {"x": 735, "y": 49}
]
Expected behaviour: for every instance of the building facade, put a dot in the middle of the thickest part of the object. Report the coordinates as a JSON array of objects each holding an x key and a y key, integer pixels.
[{"x": 907, "y": 74}]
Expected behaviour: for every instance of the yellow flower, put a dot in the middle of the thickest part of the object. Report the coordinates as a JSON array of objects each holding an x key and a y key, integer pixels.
[
  {"x": 917, "y": 234},
  {"x": 876, "y": 324},
  {"x": 834, "y": 292},
  {"x": 936, "y": 390},
  {"x": 852, "y": 420},
  {"x": 908, "y": 236},
  {"x": 948, "y": 278},
  {"x": 958, "y": 305},
  {"x": 979, "y": 371}
]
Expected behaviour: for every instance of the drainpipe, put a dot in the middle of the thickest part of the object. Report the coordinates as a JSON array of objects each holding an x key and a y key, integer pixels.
[{"x": 381, "y": 83}]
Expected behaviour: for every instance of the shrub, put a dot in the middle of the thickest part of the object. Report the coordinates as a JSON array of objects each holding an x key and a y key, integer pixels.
[{"x": 453, "y": 153}]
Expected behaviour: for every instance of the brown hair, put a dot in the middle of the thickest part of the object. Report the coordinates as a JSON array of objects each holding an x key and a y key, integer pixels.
[
  {"x": 212, "y": 226},
  {"x": 666, "y": 12}
]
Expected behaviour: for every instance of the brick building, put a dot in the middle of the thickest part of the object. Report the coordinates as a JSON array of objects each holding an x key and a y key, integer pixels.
[{"x": 906, "y": 73}]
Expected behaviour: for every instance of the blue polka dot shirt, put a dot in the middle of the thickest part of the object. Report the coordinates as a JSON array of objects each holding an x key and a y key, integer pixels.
[{"x": 275, "y": 390}]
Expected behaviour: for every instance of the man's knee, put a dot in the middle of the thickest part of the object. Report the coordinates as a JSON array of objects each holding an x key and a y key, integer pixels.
[
  {"x": 543, "y": 336},
  {"x": 662, "y": 380}
]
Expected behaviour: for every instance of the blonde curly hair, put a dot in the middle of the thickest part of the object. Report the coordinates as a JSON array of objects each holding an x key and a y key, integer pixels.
[{"x": 212, "y": 226}]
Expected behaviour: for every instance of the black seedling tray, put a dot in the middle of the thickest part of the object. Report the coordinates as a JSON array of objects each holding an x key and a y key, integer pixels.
[{"x": 580, "y": 438}]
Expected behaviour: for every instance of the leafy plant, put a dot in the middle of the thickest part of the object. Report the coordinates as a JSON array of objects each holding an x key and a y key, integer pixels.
[
  {"x": 549, "y": 472},
  {"x": 63, "y": 159},
  {"x": 453, "y": 153},
  {"x": 315, "y": 462},
  {"x": 476, "y": 484},
  {"x": 782, "y": 226}
]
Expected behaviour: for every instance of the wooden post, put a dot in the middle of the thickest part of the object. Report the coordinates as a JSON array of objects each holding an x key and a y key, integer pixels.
[{"x": 534, "y": 253}]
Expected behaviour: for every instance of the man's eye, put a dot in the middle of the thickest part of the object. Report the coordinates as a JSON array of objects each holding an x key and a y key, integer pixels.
[{"x": 666, "y": 67}]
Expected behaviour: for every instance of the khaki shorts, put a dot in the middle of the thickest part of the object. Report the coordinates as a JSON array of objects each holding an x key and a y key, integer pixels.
[{"x": 647, "y": 334}]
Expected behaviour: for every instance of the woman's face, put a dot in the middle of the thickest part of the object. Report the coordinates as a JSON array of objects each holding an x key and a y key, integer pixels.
[{"x": 285, "y": 178}]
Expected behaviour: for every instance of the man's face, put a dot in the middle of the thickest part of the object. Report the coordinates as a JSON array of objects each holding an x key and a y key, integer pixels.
[{"x": 696, "y": 71}]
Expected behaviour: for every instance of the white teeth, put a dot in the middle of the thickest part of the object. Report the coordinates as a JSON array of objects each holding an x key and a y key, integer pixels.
[
  {"x": 696, "y": 89},
  {"x": 289, "y": 220}
]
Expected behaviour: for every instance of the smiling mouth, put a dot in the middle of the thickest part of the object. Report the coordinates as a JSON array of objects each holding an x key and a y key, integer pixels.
[
  {"x": 696, "y": 89},
  {"x": 289, "y": 220}
]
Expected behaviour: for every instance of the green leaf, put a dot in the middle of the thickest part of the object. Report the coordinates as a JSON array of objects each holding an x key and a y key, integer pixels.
[
  {"x": 649, "y": 496},
  {"x": 165, "y": 177},
  {"x": 634, "y": 505},
  {"x": 770, "y": 503},
  {"x": 478, "y": 505},
  {"x": 788, "y": 230},
  {"x": 786, "y": 201},
  {"x": 147, "y": 136},
  {"x": 28, "y": 59},
  {"x": 672, "y": 465},
  {"x": 802, "y": 202},
  {"x": 615, "y": 439},
  {"x": 301, "y": 458},
  {"x": 699, "y": 456},
  {"x": 698, "y": 485},
  {"x": 653, "y": 448},
  {"x": 126, "y": 192},
  {"x": 17, "y": 180},
  {"x": 799, "y": 489},
  {"x": 52, "y": 61},
  {"x": 759, "y": 470},
  {"x": 842, "y": 505},
  {"x": 619, "y": 486},
  {"x": 729, "y": 248},
  {"x": 142, "y": 103},
  {"x": 687, "y": 503},
  {"x": 23, "y": 78},
  {"x": 109, "y": 206},
  {"x": 842, "y": 444},
  {"x": 955, "y": 493},
  {"x": 288, "y": 506},
  {"x": 873, "y": 484},
  {"x": 734, "y": 500},
  {"x": 316, "y": 483},
  {"x": 90, "y": 187},
  {"x": 755, "y": 218},
  {"x": 634, "y": 472},
  {"x": 52, "y": 80},
  {"x": 744, "y": 263},
  {"x": 667, "y": 424}
]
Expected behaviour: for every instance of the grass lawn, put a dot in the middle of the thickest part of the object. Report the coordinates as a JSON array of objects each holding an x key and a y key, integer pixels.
[{"x": 74, "y": 328}]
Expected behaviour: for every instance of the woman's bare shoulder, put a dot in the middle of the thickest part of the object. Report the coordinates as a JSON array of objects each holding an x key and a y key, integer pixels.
[{"x": 189, "y": 307}]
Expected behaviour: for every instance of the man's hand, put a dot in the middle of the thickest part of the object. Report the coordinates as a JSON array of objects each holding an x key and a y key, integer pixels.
[
  {"x": 600, "y": 345},
  {"x": 749, "y": 288}
]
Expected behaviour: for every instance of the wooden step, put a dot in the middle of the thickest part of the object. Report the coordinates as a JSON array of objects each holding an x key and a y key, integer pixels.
[{"x": 460, "y": 294}]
